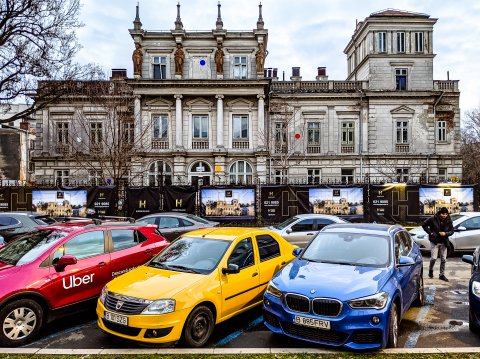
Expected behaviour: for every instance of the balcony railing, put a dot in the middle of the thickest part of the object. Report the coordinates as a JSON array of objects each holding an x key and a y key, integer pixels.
[
  {"x": 314, "y": 149},
  {"x": 240, "y": 144},
  {"x": 96, "y": 148},
  {"x": 447, "y": 85},
  {"x": 318, "y": 86},
  {"x": 347, "y": 149},
  {"x": 200, "y": 144},
  {"x": 62, "y": 149},
  {"x": 402, "y": 148},
  {"x": 160, "y": 144}
]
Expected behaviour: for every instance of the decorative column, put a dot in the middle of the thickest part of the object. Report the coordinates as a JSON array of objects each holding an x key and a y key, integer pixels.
[
  {"x": 219, "y": 120},
  {"x": 261, "y": 137},
  {"x": 178, "y": 122},
  {"x": 137, "y": 113}
]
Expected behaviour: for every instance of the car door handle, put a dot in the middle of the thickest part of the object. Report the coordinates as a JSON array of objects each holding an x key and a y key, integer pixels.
[
  {"x": 283, "y": 263},
  {"x": 310, "y": 234},
  {"x": 101, "y": 264},
  {"x": 148, "y": 251},
  {"x": 254, "y": 274}
]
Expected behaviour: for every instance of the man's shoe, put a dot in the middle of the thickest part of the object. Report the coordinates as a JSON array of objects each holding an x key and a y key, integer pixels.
[
  {"x": 430, "y": 274},
  {"x": 442, "y": 277}
]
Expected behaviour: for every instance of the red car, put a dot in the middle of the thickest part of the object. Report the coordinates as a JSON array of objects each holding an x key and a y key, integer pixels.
[{"x": 57, "y": 270}]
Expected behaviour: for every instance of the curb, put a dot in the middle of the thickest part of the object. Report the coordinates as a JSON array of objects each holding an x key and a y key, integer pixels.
[{"x": 164, "y": 351}]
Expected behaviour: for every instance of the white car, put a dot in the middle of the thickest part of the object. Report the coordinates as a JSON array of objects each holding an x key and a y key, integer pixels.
[
  {"x": 301, "y": 228},
  {"x": 465, "y": 238}
]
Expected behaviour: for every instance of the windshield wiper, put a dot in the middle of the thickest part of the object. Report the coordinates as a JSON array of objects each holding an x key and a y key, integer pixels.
[
  {"x": 186, "y": 269},
  {"x": 157, "y": 265},
  {"x": 7, "y": 261}
]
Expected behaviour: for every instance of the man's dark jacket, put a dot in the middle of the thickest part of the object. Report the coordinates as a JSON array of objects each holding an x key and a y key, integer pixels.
[{"x": 435, "y": 225}]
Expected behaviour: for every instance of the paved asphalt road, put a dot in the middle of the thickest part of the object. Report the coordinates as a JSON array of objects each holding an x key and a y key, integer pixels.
[{"x": 441, "y": 323}]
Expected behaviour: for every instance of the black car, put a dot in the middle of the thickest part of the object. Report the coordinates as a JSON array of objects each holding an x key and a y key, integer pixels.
[
  {"x": 174, "y": 224},
  {"x": 14, "y": 224},
  {"x": 474, "y": 291}
]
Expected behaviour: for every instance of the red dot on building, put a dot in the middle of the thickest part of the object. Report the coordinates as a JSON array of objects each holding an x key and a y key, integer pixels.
[{"x": 297, "y": 136}]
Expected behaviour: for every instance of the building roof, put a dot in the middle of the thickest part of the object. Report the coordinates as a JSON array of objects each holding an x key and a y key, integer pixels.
[{"x": 397, "y": 13}]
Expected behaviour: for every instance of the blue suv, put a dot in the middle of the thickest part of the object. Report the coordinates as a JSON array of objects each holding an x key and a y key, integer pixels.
[{"x": 349, "y": 287}]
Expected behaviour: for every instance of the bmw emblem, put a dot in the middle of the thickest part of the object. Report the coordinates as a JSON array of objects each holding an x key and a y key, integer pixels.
[
  {"x": 119, "y": 305},
  {"x": 312, "y": 291}
]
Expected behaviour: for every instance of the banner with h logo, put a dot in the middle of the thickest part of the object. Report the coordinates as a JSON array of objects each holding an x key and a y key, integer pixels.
[
  {"x": 179, "y": 199},
  {"x": 142, "y": 201}
]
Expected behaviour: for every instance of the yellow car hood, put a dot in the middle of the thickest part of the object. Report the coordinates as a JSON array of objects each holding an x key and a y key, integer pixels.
[{"x": 153, "y": 283}]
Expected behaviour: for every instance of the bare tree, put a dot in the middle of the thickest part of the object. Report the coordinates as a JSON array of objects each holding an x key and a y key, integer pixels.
[
  {"x": 285, "y": 138},
  {"x": 38, "y": 42},
  {"x": 470, "y": 148},
  {"x": 101, "y": 137}
]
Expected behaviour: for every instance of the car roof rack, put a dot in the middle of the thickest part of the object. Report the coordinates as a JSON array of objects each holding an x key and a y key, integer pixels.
[{"x": 117, "y": 218}]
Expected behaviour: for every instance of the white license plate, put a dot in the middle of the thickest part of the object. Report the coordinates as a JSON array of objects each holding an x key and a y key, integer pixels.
[
  {"x": 312, "y": 322},
  {"x": 119, "y": 319}
]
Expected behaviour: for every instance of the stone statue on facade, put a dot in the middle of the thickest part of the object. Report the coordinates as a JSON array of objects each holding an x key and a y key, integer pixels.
[
  {"x": 179, "y": 59},
  {"x": 260, "y": 57},
  {"x": 219, "y": 54},
  {"x": 137, "y": 58}
]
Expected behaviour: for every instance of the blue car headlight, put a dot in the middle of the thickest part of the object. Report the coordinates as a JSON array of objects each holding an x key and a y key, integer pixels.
[
  {"x": 271, "y": 289},
  {"x": 376, "y": 301},
  {"x": 476, "y": 288}
]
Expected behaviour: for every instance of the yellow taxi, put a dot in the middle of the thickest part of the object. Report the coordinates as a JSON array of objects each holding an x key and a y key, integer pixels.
[{"x": 203, "y": 278}]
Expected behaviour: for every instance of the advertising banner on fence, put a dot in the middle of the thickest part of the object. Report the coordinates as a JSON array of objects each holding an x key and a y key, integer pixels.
[
  {"x": 338, "y": 201},
  {"x": 102, "y": 200},
  {"x": 454, "y": 198},
  {"x": 278, "y": 203},
  {"x": 393, "y": 203},
  {"x": 228, "y": 203},
  {"x": 179, "y": 199},
  {"x": 4, "y": 199},
  {"x": 142, "y": 201},
  {"x": 60, "y": 203}
]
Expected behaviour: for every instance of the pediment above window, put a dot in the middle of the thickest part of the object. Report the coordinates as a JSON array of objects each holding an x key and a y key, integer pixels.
[
  {"x": 200, "y": 104},
  {"x": 403, "y": 110},
  {"x": 159, "y": 103},
  {"x": 240, "y": 103}
]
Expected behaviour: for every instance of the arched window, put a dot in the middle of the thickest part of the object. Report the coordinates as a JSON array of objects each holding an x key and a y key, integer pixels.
[
  {"x": 241, "y": 173},
  {"x": 200, "y": 173},
  {"x": 159, "y": 174}
]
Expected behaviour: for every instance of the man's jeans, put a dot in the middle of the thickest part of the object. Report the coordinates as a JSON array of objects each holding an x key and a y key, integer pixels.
[{"x": 435, "y": 251}]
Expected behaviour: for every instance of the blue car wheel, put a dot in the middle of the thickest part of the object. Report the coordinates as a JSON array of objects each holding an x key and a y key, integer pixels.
[{"x": 472, "y": 325}]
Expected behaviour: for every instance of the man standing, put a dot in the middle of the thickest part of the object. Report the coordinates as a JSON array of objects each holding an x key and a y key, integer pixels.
[{"x": 439, "y": 227}]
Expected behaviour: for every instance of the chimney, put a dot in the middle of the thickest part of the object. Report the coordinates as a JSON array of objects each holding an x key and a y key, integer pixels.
[
  {"x": 296, "y": 74},
  {"x": 270, "y": 73},
  {"x": 119, "y": 74},
  {"x": 322, "y": 74}
]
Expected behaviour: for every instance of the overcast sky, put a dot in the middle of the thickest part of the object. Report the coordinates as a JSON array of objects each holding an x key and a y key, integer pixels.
[{"x": 304, "y": 33}]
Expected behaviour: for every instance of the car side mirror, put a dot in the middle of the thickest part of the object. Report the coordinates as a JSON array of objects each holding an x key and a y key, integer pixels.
[
  {"x": 460, "y": 229},
  {"x": 296, "y": 252},
  {"x": 65, "y": 261},
  {"x": 231, "y": 269},
  {"x": 288, "y": 231},
  {"x": 467, "y": 258},
  {"x": 405, "y": 261}
]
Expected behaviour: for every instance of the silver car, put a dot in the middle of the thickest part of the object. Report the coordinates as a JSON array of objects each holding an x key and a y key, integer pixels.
[
  {"x": 173, "y": 224},
  {"x": 301, "y": 228},
  {"x": 466, "y": 236}
]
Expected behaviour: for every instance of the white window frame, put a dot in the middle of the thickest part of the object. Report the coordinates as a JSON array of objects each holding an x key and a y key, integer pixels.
[
  {"x": 401, "y": 42},
  {"x": 158, "y": 171},
  {"x": 240, "y": 67},
  {"x": 348, "y": 133},
  {"x": 238, "y": 176},
  {"x": 402, "y": 128},
  {"x": 62, "y": 177},
  {"x": 442, "y": 131},
  {"x": 442, "y": 174},
  {"x": 402, "y": 175},
  {"x": 347, "y": 177},
  {"x": 160, "y": 127},
  {"x": 243, "y": 119},
  {"x": 128, "y": 132},
  {"x": 382, "y": 41},
  {"x": 62, "y": 132},
  {"x": 96, "y": 132},
  {"x": 161, "y": 62},
  {"x": 204, "y": 122},
  {"x": 314, "y": 130},
  {"x": 314, "y": 175},
  {"x": 401, "y": 72},
  {"x": 419, "y": 45}
]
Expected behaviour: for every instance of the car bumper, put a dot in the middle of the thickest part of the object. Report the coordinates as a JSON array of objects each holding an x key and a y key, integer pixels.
[
  {"x": 147, "y": 328},
  {"x": 423, "y": 244},
  {"x": 352, "y": 328}
]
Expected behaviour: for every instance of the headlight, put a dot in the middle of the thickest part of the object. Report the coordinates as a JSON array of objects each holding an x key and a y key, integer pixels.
[
  {"x": 162, "y": 306},
  {"x": 476, "y": 288},
  {"x": 376, "y": 301},
  {"x": 420, "y": 236},
  {"x": 103, "y": 294},
  {"x": 271, "y": 289}
]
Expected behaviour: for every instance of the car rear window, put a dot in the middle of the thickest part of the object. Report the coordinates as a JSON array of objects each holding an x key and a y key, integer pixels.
[
  {"x": 198, "y": 219},
  {"x": 44, "y": 220}
]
